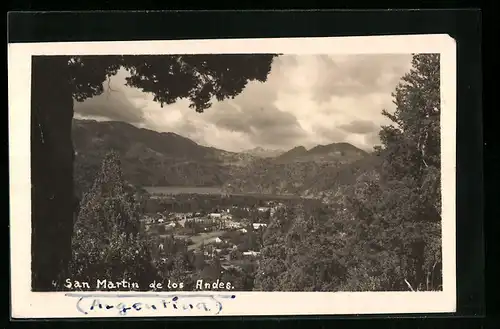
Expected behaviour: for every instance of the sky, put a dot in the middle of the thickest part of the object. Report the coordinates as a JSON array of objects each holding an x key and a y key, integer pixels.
[{"x": 307, "y": 100}]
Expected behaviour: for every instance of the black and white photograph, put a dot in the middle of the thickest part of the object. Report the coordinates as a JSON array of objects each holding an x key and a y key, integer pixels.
[{"x": 305, "y": 170}]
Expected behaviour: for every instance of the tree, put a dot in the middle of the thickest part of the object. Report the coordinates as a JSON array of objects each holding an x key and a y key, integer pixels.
[
  {"x": 302, "y": 255},
  {"x": 399, "y": 208},
  {"x": 249, "y": 240},
  {"x": 59, "y": 80},
  {"x": 199, "y": 261},
  {"x": 107, "y": 242}
]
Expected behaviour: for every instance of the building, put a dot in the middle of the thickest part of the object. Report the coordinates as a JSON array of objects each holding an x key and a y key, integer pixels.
[
  {"x": 251, "y": 253},
  {"x": 179, "y": 216},
  {"x": 218, "y": 240},
  {"x": 231, "y": 224},
  {"x": 215, "y": 215},
  {"x": 256, "y": 226}
]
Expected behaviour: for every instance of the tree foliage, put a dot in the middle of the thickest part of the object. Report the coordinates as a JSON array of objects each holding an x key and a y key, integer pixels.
[
  {"x": 383, "y": 232},
  {"x": 59, "y": 80},
  {"x": 198, "y": 78},
  {"x": 301, "y": 253},
  {"x": 399, "y": 208},
  {"x": 107, "y": 241}
]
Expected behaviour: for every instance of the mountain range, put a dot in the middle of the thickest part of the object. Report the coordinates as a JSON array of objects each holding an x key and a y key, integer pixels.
[
  {"x": 151, "y": 158},
  {"x": 264, "y": 153}
]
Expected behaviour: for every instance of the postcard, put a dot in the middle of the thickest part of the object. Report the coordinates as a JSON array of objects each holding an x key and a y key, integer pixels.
[{"x": 289, "y": 176}]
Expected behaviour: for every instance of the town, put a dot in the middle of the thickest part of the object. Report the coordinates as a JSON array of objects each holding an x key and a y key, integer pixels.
[{"x": 226, "y": 228}]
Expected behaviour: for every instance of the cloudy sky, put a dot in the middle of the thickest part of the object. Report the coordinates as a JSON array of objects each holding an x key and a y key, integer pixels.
[{"x": 307, "y": 100}]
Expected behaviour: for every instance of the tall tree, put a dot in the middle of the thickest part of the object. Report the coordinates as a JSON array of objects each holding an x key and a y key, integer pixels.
[
  {"x": 301, "y": 253},
  {"x": 399, "y": 209},
  {"x": 107, "y": 241},
  {"x": 59, "y": 80}
]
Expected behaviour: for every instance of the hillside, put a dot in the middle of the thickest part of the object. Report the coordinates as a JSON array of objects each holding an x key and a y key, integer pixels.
[
  {"x": 298, "y": 171},
  {"x": 150, "y": 158},
  {"x": 322, "y": 153},
  {"x": 264, "y": 153},
  {"x": 329, "y": 178}
]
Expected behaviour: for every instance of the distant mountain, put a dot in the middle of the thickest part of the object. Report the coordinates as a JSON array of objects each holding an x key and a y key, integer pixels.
[
  {"x": 322, "y": 153},
  {"x": 329, "y": 178},
  {"x": 151, "y": 158},
  {"x": 295, "y": 171},
  {"x": 264, "y": 153},
  {"x": 292, "y": 154}
]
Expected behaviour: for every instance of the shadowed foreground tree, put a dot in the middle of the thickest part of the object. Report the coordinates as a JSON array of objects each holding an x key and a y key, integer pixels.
[
  {"x": 398, "y": 245},
  {"x": 301, "y": 253},
  {"x": 107, "y": 242},
  {"x": 59, "y": 80},
  {"x": 384, "y": 233}
]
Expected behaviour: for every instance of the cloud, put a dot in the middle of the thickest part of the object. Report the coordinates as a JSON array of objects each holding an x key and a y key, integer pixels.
[
  {"x": 306, "y": 100},
  {"x": 262, "y": 124},
  {"x": 360, "y": 127},
  {"x": 358, "y": 74},
  {"x": 117, "y": 102},
  {"x": 372, "y": 139}
]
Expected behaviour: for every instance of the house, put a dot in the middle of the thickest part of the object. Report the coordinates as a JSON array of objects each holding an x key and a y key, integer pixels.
[
  {"x": 231, "y": 224},
  {"x": 251, "y": 253},
  {"x": 218, "y": 240},
  {"x": 243, "y": 230},
  {"x": 256, "y": 226},
  {"x": 263, "y": 209},
  {"x": 179, "y": 216},
  {"x": 215, "y": 215}
]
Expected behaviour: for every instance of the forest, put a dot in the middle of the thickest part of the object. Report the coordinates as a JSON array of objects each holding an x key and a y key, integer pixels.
[{"x": 383, "y": 232}]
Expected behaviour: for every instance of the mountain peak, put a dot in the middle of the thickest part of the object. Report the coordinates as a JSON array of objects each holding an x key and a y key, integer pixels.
[
  {"x": 298, "y": 148},
  {"x": 334, "y": 151},
  {"x": 259, "y": 151}
]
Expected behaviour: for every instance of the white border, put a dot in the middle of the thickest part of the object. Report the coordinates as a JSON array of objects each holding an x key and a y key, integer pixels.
[{"x": 26, "y": 304}]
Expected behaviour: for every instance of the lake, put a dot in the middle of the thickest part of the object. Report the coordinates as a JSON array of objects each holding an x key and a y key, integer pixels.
[
  {"x": 172, "y": 190},
  {"x": 182, "y": 190}
]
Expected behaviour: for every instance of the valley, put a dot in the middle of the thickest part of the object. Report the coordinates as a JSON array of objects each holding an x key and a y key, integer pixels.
[{"x": 167, "y": 160}]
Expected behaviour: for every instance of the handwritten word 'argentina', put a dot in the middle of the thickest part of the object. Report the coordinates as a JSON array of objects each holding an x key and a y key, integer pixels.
[{"x": 149, "y": 305}]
